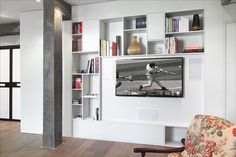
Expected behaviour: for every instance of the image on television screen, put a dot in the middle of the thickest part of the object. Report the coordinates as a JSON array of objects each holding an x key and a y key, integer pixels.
[{"x": 150, "y": 77}]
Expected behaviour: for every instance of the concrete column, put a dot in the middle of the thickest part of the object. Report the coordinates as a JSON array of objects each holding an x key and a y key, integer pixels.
[{"x": 52, "y": 92}]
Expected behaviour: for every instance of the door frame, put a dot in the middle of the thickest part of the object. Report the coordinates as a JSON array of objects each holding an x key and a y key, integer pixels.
[{"x": 10, "y": 48}]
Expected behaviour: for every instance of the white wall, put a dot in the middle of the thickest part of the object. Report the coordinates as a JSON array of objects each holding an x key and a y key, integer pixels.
[
  {"x": 230, "y": 60},
  {"x": 32, "y": 73},
  {"x": 9, "y": 40},
  {"x": 210, "y": 100},
  {"x": 31, "y": 30},
  {"x": 67, "y": 79},
  {"x": 231, "y": 72}
]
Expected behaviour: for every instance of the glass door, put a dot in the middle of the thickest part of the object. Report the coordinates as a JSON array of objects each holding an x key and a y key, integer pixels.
[{"x": 10, "y": 82}]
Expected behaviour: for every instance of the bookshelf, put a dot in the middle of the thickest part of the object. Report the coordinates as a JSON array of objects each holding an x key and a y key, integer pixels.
[
  {"x": 179, "y": 34},
  {"x": 85, "y": 74},
  {"x": 162, "y": 34},
  {"x": 153, "y": 37}
]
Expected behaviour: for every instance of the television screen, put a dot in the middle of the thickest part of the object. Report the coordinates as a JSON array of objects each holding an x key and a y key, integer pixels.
[{"x": 150, "y": 77}]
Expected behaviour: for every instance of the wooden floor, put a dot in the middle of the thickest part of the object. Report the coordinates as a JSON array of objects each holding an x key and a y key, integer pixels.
[{"x": 15, "y": 144}]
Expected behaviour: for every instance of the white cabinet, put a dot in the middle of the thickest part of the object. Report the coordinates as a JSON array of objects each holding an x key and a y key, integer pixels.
[
  {"x": 155, "y": 25},
  {"x": 90, "y": 35}
]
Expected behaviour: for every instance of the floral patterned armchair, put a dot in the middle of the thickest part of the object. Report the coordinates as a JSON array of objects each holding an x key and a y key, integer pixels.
[{"x": 207, "y": 136}]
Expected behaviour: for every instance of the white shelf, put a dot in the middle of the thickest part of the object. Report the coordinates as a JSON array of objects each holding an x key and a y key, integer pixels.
[
  {"x": 77, "y": 89},
  {"x": 136, "y": 30},
  {"x": 184, "y": 33},
  {"x": 157, "y": 40},
  {"x": 77, "y": 104},
  {"x": 90, "y": 96},
  {"x": 74, "y": 35},
  {"x": 155, "y": 55},
  {"x": 84, "y": 52},
  {"x": 86, "y": 74}
]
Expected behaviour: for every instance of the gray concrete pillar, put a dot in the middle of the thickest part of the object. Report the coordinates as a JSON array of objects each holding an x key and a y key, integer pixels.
[{"x": 52, "y": 92}]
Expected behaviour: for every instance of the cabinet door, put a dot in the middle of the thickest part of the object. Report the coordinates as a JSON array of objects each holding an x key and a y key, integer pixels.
[
  {"x": 91, "y": 35},
  {"x": 155, "y": 24}
]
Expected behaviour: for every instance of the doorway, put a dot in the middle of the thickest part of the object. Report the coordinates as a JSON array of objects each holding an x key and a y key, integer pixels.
[{"x": 10, "y": 83}]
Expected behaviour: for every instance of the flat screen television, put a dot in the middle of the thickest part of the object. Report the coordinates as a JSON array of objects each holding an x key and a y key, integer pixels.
[{"x": 150, "y": 77}]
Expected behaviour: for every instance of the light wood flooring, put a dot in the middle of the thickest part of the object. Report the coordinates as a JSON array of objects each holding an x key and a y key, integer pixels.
[{"x": 15, "y": 144}]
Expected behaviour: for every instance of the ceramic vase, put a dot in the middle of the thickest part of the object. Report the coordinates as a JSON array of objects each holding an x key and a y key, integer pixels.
[{"x": 134, "y": 47}]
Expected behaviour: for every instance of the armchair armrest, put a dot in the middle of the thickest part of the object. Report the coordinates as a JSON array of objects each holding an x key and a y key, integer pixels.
[{"x": 143, "y": 151}]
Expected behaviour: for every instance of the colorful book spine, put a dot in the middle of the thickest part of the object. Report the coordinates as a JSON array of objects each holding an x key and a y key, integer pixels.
[
  {"x": 177, "y": 24},
  {"x": 171, "y": 45},
  {"x": 77, "y": 28},
  {"x": 108, "y": 48}
]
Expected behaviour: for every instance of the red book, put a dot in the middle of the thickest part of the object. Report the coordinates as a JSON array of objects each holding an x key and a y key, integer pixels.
[
  {"x": 80, "y": 28},
  {"x": 114, "y": 49}
]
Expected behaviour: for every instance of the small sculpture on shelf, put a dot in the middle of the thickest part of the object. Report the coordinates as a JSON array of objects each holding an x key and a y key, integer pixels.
[
  {"x": 134, "y": 47},
  {"x": 196, "y": 22}
]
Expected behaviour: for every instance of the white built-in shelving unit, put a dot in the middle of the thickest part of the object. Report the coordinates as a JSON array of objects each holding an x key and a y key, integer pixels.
[
  {"x": 87, "y": 94},
  {"x": 152, "y": 39}
]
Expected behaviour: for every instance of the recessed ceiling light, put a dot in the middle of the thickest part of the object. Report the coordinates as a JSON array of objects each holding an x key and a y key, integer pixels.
[{"x": 38, "y": 1}]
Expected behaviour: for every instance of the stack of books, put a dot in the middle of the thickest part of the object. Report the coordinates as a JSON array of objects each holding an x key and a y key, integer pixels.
[
  {"x": 171, "y": 45},
  {"x": 77, "y": 28},
  {"x": 108, "y": 48},
  {"x": 77, "y": 45},
  {"x": 93, "y": 65},
  {"x": 193, "y": 49},
  {"x": 177, "y": 24}
]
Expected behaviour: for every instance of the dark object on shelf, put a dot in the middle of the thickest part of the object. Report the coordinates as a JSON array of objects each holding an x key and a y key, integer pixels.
[
  {"x": 118, "y": 42},
  {"x": 141, "y": 22},
  {"x": 82, "y": 71},
  {"x": 97, "y": 113},
  {"x": 196, "y": 22}
]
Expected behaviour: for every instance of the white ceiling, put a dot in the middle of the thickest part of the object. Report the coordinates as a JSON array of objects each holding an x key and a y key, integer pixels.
[{"x": 10, "y": 9}]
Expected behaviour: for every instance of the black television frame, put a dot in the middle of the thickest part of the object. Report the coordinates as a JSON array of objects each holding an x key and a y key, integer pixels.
[{"x": 164, "y": 96}]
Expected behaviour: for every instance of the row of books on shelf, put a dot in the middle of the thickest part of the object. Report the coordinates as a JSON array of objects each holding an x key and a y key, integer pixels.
[
  {"x": 177, "y": 24},
  {"x": 77, "y": 28},
  {"x": 171, "y": 45},
  {"x": 93, "y": 65},
  {"x": 108, "y": 48},
  {"x": 77, "y": 45}
]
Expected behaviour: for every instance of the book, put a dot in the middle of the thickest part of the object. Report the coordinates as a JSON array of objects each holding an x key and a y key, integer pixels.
[
  {"x": 96, "y": 64},
  {"x": 108, "y": 48},
  {"x": 183, "y": 24},
  {"x": 104, "y": 49},
  {"x": 171, "y": 45},
  {"x": 192, "y": 49},
  {"x": 114, "y": 49},
  {"x": 118, "y": 42},
  {"x": 91, "y": 70},
  {"x": 88, "y": 66}
]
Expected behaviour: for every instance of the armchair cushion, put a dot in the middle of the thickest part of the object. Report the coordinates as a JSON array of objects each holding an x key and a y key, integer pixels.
[{"x": 209, "y": 136}]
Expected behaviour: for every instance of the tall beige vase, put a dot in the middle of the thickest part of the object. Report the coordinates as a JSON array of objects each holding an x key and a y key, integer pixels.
[{"x": 134, "y": 47}]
